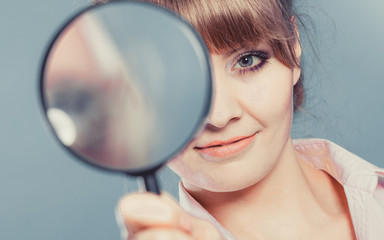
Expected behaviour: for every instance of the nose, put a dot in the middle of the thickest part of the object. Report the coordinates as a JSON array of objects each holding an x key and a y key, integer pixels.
[{"x": 226, "y": 108}]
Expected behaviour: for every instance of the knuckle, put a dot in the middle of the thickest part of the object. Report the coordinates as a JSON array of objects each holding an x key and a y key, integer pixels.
[{"x": 207, "y": 231}]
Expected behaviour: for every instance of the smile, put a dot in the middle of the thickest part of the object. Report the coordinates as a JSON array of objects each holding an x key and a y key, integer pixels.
[{"x": 221, "y": 149}]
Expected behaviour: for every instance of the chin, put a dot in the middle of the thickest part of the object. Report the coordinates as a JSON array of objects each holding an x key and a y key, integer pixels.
[
  {"x": 221, "y": 184},
  {"x": 229, "y": 188}
]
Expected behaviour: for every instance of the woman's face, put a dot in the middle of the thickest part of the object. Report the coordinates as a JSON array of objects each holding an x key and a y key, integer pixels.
[{"x": 249, "y": 124}]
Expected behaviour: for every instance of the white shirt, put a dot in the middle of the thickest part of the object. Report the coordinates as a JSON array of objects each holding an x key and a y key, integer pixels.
[{"x": 363, "y": 185}]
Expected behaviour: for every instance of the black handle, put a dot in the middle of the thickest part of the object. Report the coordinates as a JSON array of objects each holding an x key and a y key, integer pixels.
[{"x": 151, "y": 184}]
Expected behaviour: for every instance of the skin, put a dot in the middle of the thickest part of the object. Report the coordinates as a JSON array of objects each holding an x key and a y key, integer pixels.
[
  {"x": 244, "y": 104},
  {"x": 266, "y": 191}
]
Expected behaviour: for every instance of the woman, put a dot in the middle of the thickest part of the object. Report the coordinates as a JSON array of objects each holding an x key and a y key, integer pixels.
[{"x": 243, "y": 177}]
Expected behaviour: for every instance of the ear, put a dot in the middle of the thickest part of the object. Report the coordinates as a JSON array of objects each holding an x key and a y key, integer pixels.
[
  {"x": 298, "y": 51},
  {"x": 297, "y": 70}
]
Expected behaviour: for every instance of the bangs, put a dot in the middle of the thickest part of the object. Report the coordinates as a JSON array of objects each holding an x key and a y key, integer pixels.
[
  {"x": 232, "y": 24},
  {"x": 227, "y": 25}
]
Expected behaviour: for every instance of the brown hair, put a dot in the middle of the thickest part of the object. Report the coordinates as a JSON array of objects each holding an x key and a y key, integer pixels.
[{"x": 231, "y": 24}]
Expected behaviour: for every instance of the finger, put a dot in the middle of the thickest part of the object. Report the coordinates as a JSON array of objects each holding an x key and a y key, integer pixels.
[
  {"x": 121, "y": 224},
  {"x": 203, "y": 230},
  {"x": 198, "y": 228},
  {"x": 144, "y": 210},
  {"x": 162, "y": 234}
]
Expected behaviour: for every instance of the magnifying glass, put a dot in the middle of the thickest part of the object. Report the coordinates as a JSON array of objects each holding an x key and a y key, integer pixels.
[{"x": 125, "y": 86}]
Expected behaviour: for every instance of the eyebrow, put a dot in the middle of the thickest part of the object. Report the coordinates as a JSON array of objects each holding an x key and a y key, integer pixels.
[{"x": 248, "y": 46}]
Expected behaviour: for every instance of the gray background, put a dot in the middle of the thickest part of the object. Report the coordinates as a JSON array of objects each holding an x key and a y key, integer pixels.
[{"x": 46, "y": 194}]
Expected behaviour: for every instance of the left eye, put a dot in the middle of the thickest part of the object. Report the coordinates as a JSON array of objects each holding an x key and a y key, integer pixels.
[{"x": 247, "y": 61}]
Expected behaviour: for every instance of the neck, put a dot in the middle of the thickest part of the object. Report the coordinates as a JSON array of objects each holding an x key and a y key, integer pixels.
[{"x": 289, "y": 194}]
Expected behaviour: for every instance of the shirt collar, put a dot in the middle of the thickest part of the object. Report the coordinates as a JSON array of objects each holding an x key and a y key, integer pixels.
[{"x": 346, "y": 167}]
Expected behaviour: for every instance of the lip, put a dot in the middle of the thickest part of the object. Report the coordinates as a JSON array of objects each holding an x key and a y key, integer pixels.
[{"x": 222, "y": 149}]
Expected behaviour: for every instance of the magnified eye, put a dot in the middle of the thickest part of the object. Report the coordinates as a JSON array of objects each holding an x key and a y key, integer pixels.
[{"x": 78, "y": 105}]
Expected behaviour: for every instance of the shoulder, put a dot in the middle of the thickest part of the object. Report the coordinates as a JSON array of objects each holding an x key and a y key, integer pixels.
[
  {"x": 363, "y": 182},
  {"x": 348, "y": 168}
]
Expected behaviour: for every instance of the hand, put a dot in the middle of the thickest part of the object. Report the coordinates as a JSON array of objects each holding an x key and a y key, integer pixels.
[{"x": 148, "y": 216}]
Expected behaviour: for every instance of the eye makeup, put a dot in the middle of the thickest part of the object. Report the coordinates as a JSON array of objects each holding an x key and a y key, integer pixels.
[{"x": 250, "y": 61}]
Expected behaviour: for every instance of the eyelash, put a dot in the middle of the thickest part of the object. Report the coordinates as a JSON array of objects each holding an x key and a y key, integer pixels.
[{"x": 263, "y": 56}]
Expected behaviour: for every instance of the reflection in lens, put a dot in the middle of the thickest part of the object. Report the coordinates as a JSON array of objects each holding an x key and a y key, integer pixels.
[{"x": 63, "y": 124}]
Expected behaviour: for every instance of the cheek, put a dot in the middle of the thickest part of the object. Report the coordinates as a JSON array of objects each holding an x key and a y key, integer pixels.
[{"x": 269, "y": 97}]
